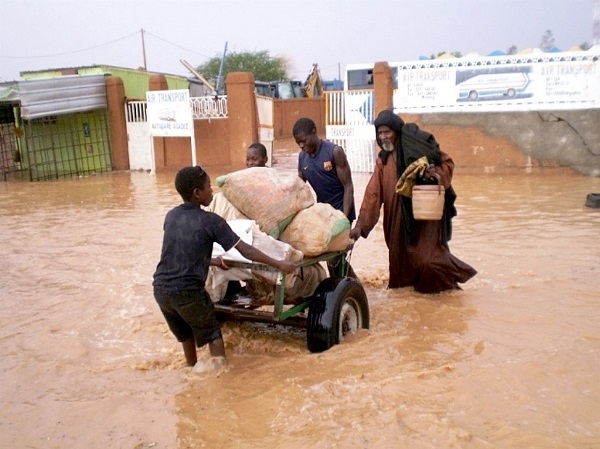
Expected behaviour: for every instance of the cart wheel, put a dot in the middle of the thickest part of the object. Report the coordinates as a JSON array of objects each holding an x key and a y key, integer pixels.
[{"x": 338, "y": 308}]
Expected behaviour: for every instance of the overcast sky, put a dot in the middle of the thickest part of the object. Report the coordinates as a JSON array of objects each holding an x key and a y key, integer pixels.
[{"x": 42, "y": 34}]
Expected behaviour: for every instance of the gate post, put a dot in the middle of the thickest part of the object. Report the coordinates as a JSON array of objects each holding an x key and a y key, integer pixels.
[
  {"x": 243, "y": 116},
  {"x": 383, "y": 83},
  {"x": 158, "y": 82},
  {"x": 119, "y": 146}
]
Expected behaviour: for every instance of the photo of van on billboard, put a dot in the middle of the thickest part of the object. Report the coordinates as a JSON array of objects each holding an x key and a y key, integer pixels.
[{"x": 494, "y": 83}]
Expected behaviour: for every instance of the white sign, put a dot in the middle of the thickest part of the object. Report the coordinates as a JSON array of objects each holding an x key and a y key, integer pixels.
[
  {"x": 169, "y": 113},
  {"x": 561, "y": 83},
  {"x": 350, "y": 132}
]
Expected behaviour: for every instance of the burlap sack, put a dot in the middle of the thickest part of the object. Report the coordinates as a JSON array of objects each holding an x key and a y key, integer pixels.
[
  {"x": 318, "y": 229},
  {"x": 268, "y": 196},
  {"x": 299, "y": 284},
  {"x": 221, "y": 206}
]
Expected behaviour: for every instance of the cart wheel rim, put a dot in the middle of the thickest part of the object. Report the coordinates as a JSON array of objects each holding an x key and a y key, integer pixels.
[{"x": 350, "y": 320}]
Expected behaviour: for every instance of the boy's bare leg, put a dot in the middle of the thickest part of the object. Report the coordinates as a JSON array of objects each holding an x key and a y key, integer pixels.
[
  {"x": 189, "y": 349},
  {"x": 217, "y": 348}
]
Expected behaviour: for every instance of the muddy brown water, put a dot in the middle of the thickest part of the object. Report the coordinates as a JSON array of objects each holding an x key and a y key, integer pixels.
[{"x": 511, "y": 361}]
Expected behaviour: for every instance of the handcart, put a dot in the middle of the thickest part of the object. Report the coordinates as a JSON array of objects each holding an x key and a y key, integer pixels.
[{"x": 337, "y": 308}]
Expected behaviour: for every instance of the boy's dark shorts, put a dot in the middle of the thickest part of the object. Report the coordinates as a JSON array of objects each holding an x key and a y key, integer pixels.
[{"x": 189, "y": 313}]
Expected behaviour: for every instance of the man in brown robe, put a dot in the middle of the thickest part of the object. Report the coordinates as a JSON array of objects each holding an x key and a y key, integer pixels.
[{"x": 418, "y": 250}]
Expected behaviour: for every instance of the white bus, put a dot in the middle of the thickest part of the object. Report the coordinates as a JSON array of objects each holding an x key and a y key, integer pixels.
[{"x": 494, "y": 83}]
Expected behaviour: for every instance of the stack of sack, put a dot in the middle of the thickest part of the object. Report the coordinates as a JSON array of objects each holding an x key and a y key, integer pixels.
[{"x": 289, "y": 225}]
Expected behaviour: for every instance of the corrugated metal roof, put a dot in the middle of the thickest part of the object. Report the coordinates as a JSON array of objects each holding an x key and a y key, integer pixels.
[
  {"x": 62, "y": 95},
  {"x": 9, "y": 92}
]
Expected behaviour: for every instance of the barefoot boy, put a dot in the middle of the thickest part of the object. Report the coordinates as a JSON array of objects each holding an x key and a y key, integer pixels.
[{"x": 189, "y": 233}]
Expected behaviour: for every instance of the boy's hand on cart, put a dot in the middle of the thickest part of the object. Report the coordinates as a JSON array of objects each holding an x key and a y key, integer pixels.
[
  {"x": 286, "y": 266},
  {"x": 219, "y": 262}
]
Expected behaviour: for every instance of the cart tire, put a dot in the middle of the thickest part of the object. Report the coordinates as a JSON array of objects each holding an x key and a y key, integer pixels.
[{"x": 339, "y": 307}]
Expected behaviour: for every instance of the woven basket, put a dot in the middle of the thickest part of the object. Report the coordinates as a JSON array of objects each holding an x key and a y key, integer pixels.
[{"x": 428, "y": 202}]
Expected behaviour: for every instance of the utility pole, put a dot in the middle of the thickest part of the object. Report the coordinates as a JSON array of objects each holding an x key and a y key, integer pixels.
[
  {"x": 596, "y": 29},
  {"x": 221, "y": 69},
  {"x": 144, "y": 50}
]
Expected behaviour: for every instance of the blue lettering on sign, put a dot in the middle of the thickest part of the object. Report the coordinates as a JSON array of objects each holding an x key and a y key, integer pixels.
[
  {"x": 161, "y": 125},
  {"x": 172, "y": 97}
]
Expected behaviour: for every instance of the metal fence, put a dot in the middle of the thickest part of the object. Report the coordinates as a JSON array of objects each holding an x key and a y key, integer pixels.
[{"x": 349, "y": 123}]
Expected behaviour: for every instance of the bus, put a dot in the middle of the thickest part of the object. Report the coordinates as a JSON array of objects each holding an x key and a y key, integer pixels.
[{"x": 493, "y": 83}]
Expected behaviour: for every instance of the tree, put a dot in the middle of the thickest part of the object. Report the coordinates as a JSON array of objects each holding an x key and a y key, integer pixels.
[
  {"x": 547, "y": 41},
  {"x": 263, "y": 66},
  {"x": 512, "y": 50},
  {"x": 584, "y": 46}
]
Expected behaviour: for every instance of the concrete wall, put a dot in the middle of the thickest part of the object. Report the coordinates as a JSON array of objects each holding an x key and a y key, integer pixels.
[
  {"x": 286, "y": 112},
  {"x": 511, "y": 142},
  {"x": 220, "y": 143}
]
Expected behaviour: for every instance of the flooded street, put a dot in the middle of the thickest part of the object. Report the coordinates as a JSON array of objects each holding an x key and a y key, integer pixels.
[{"x": 513, "y": 360}]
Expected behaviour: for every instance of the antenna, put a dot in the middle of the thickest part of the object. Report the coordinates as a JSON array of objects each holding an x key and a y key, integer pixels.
[
  {"x": 221, "y": 69},
  {"x": 596, "y": 27},
  {"x": 144, "y": 50}
]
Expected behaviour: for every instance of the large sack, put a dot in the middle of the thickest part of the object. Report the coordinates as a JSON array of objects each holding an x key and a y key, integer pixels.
[
  {"x": 277, "y": 250},
  {"x": 298, "y": 285},
  {"x": 304, "y": 281},
  {"x": 318, "y": 229},
  {"x": 221, "y": 206},
  {"x": 268, "y": 196}
]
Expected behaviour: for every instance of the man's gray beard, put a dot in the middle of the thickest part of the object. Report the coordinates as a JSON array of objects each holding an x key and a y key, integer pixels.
[{"x": 388, "y": 146}]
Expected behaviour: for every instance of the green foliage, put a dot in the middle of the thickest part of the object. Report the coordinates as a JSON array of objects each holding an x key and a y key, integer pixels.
[
  {"x": 512, "y": 50},
  {"x": 263, "y": 66}
]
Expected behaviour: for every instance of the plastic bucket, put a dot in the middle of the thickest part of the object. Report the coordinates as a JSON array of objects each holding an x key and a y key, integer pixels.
[{"x": 428, "y": 202}]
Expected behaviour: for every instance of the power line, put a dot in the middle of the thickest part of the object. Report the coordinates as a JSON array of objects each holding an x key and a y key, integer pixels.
[
  {"x": 174, "y": 44},
  {"x": 103, "y": 45},
  {"x": 71, "y": 52}
]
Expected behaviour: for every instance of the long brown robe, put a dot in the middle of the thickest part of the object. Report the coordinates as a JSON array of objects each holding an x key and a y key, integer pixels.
[{"x": 428, "y": 266}]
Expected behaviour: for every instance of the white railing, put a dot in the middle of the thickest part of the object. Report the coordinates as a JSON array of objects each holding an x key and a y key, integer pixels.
[
  {"x": 209, "y": 107},
  {"x": 135, "y": 111},
  {"x": 202, "y": 108}
]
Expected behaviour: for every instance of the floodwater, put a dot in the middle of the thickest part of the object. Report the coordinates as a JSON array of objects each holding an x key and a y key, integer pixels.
[{"x": 512, "y": 361}]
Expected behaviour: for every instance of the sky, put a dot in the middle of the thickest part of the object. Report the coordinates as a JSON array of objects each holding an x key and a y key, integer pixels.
[{"x": 45, "y": 34}]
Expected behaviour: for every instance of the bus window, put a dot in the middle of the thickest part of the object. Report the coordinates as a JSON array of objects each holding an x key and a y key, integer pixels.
[
  {"x": 359, "y": 79},
  {"x": 360, "y": 76}
]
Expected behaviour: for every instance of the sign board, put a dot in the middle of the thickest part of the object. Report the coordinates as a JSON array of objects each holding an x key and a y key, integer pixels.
[{"x": 169, "y": 113}]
